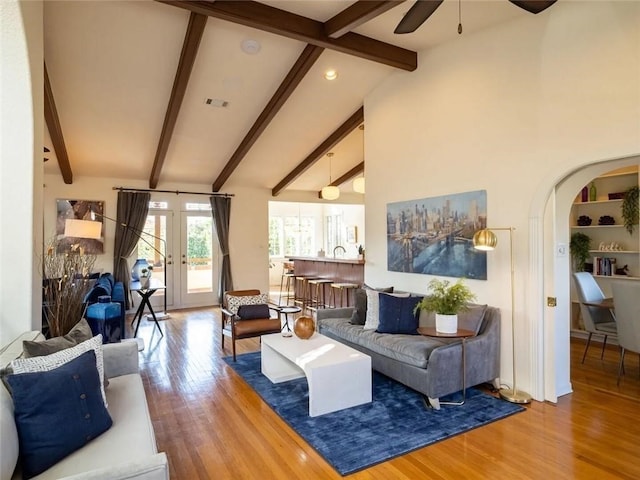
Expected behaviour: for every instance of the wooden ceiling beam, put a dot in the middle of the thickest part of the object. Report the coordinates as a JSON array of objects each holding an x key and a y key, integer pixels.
[
  {"x": 355, "y": 15},
  {"x": 273, "y": 20},
  {"x": 55, "y": 130},
  {"x": 332, "y": 140},
  {"x": 190, "y": 48},
  {"x": 357, "y": 170},
  {"x": 304, "y": 63}
]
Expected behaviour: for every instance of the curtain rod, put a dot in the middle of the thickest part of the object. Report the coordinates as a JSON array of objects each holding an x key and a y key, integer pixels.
[{"x": 177, "y": 192}]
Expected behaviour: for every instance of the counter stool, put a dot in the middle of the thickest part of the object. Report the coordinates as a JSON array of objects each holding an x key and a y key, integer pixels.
[
  {"x": 317, "y": 293},
  {"x": 302, "y": 294},
  {"x": 286, "y": 283},
  {"x": 341, "y": 288}
]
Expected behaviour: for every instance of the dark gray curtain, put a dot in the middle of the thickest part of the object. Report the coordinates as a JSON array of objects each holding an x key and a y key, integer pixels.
[
  {"x": 133, "y": 208},
  {"x": 221, "y": 210}
]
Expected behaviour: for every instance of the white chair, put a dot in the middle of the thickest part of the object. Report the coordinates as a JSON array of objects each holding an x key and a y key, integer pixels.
[
  {"x": 597, "y": 320},
  {"x": 626, "y": 300}
]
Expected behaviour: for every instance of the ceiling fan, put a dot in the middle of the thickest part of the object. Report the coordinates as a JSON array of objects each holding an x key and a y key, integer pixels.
[{"x": 422, "y": 9}]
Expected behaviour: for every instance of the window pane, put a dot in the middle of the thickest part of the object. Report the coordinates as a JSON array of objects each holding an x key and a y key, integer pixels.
[{"x": 275, "y": 237}]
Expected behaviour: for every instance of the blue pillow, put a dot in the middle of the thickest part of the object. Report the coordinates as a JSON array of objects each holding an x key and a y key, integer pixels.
[
  {"x": 251, "y": 312},
  {"x": 396, "y": 314},
  {"x": 57, "y": 412}
]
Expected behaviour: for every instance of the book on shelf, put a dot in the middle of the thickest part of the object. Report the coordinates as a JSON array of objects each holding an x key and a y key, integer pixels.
[{"x": 605, "y": 266}]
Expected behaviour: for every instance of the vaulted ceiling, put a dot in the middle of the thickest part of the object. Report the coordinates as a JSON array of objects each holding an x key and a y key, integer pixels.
[{"x": 163, "y": 91}]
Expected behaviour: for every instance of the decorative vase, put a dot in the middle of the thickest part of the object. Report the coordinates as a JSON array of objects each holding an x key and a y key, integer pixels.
[
  {"x": 585, "y": 194},
  {"x": 446, "y": 323},
  {"x": 144, "y": 281},
  {"x": 304, "y": 327},
  {"x": 593, "y": 193},
  {"x": 139, "y": 265}
]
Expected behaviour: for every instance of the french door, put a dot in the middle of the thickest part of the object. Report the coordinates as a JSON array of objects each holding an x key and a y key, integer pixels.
[
  {"x": 199, "y": 259},
  {"x": 185, "y": 256}
]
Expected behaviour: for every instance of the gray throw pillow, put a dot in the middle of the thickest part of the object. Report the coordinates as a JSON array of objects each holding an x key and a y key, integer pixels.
[
  {"x": 359, "y": 315},
  {"x": 78, "y": 334}
]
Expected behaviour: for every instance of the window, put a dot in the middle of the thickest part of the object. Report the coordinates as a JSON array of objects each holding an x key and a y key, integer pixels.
[
  {"x": 291, "y": 236},
  {"x": 334, "y": 231}
]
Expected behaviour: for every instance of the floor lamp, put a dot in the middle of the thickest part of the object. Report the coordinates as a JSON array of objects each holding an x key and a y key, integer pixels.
[
  {"x": 486, "y": 240},
  {"x": 159, "y": 315}
]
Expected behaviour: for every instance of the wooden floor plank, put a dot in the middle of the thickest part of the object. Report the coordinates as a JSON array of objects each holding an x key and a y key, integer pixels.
[{"x": 212, "y": 424}]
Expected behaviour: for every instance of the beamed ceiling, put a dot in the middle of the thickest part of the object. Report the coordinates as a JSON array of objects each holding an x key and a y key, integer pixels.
[{"x": 127, "y": 83}]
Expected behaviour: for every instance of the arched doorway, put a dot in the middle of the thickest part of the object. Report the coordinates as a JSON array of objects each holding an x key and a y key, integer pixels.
[{"x": 549, "y": 274}]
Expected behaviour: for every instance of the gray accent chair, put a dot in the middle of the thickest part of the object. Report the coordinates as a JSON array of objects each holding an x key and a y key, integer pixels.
[
  {"x": 625, "y": 299},
  {"x": 596, "y": 320}
]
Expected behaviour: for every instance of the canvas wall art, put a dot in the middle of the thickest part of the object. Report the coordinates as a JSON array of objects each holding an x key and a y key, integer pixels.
[
  {"x": 434, "y": 235},
  {"x": 79, "y": 210}
]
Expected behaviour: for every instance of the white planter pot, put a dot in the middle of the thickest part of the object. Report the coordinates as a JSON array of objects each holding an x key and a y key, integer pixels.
[{"x": 446, "y": 323}]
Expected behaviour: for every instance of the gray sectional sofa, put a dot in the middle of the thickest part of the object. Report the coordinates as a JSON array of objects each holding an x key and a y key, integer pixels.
[{"x": 432, "y": 366}]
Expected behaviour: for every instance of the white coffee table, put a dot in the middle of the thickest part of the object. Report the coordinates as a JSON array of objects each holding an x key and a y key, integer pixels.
[{"x": 338, "y": 376}]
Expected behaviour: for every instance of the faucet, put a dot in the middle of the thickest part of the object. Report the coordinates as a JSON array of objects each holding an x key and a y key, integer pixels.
[{"x": 344, "y": 250}]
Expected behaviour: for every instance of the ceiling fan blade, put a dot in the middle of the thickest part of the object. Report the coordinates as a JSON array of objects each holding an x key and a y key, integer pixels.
[
  {"x": 417, "y": 14},
  {"x": 533, "y": 6}
]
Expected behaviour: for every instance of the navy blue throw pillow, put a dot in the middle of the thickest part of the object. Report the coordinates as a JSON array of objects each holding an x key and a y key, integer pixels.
[
  {"x": 396, "y": 314},
  {"x": 57, "y": 412},
  {"x": 251, "y": 312}
]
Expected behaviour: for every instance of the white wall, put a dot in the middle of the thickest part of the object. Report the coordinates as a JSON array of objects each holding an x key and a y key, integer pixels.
[
  {"x": 21, "y": 140},
  {"x": 511, "y": 110}
]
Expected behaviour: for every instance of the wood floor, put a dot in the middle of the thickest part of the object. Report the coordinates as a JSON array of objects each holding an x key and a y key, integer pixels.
[{"x": 213, "y": 426}]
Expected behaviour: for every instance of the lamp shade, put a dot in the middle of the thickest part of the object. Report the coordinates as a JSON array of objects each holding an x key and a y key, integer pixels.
[
  {"x": 485, "y": 240},
  {"x": 82, "y": 228},
  {"x": 358, "y": 185},
  {"x": 330, "y": 192}
]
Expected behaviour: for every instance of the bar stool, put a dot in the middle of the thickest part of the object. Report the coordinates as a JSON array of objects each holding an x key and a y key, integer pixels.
[
  {"x": 317, "y": 293},
  {"x": 302, "y": 294},
  {"x": 341, "y": 288},
  {"x": 286, "y": 282}
]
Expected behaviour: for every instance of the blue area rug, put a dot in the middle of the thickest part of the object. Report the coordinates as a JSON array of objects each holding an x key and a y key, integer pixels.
[{"x": 395, "y": 423}]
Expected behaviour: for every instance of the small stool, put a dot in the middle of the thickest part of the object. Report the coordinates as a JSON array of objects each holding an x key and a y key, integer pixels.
[
  {"x": 302, "y": 295},
  {"x": 341, "y": 288},
  {"x": 286, "y": 283},
  {"x": 105, "y": 318},
  {"x": 317, "y": 293}
]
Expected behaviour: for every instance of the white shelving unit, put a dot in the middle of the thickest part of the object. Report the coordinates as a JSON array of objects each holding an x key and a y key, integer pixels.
[{"x": 604, "y": 235}]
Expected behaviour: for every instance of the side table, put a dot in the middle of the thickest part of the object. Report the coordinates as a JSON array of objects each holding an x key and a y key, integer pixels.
[
  {"x": 462, "y": 334},
  {"x": 286, "y": 310}
]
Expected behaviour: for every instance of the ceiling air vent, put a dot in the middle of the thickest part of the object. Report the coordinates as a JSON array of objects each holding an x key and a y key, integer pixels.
[{"x": 216, "y": 102}]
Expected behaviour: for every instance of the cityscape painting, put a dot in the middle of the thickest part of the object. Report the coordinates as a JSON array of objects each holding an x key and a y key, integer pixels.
[{"x": 434, "y": 235}]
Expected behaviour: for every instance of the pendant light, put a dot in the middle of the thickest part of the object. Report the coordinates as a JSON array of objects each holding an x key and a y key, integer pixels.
[
  {"x": 358, "y": 185},
  {"x": 330, "y": 192}
]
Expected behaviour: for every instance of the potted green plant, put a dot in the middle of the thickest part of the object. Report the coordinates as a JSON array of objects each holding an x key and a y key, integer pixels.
[
  {"x": 630, "y": 208},
  {"x": 579, "y": 246},
  {"x": 446, "y": 301},
  {"x": 145, "y": 276}
]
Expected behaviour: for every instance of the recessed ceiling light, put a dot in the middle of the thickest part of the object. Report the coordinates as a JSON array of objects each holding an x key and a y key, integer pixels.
[
  {"x": 250, "y": 46},
  {"x": 216, "y": 102},
  {"x": 331, "y": 74}
]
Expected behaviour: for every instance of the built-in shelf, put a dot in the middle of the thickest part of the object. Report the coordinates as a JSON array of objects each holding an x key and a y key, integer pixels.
[
  {"x": 617, "y": 200},
  {"x": 614, "y": 251},
  {"x": 597, "y": 226},
  {"x": 617, "y": 277}
]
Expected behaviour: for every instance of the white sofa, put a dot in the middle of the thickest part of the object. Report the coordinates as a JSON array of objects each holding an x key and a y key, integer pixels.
[{"x": 127, "y": 450}]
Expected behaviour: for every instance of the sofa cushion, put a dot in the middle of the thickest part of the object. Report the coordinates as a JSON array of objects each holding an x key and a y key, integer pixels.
[
  {"x": 397, "y": 314},
  {"x": 129, "y": 439},
  {"x": 472, "y": 319},
  {"x": 373, "y": 308},
  {"x": 234, "y": 301},
  {"x": 57, "y": 412},
  {"x": 251, "y": 312},
  {"x": 410, "y": 349},
  {"x": 78, "y": 334},
  {"x": 49, "y": 362},
  {"x": 359, "y": 316}
]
